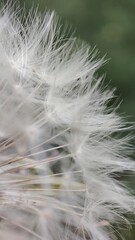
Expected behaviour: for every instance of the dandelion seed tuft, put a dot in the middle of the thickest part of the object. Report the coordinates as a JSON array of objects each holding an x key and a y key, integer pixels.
[{"x": 59, "y": 148}]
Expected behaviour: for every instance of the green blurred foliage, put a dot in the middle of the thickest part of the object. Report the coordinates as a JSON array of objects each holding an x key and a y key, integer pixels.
[{"x": 110, "y": 26}]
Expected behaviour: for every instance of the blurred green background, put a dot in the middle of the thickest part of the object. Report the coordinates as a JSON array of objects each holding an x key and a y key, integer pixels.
[{"x": 110, "y": 26}]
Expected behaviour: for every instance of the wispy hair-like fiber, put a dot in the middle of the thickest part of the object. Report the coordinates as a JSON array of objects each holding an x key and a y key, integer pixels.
[{"x": 60, "y": 154}]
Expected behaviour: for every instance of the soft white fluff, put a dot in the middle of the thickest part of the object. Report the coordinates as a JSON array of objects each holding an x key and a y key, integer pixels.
[{"x": 60, "y": 153}]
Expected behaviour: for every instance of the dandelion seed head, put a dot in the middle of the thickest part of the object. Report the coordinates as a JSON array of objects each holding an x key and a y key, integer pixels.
[{"x": 59, "y": 149}]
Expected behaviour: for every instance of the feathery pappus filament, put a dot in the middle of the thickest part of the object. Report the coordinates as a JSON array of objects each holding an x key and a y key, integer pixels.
[{"x": 59, "y": 150}]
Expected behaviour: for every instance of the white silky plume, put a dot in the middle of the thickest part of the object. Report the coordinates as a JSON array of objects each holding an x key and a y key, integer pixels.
[{"x": 60, "y": 154}]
